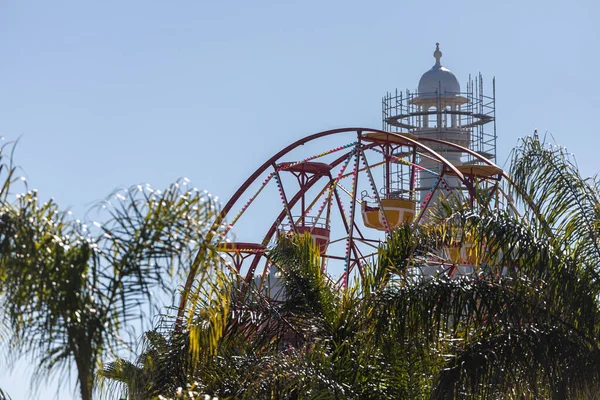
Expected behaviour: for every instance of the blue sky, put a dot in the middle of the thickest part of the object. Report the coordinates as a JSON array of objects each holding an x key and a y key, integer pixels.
[{"x": 114, "y": 93}]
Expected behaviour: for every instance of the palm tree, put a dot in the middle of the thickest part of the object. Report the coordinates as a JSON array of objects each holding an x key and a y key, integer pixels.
[
  {"x": 140, "y": 378},
  {"x": 524, "y": 324},
  {"x": 314, "y": 343},
  {"x": 527, "y": 323},
  {"x": 70, "y": 291}
]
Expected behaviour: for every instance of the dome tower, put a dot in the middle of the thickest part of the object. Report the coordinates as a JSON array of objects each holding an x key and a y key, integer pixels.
[{"x": 440, "y": 111}]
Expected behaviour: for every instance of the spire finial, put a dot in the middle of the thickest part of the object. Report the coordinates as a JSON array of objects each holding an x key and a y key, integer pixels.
[{"x": 437, "y": 54}]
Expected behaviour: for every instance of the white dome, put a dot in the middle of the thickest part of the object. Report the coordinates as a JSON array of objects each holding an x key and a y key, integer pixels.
[{"x": 438, "y": 79}]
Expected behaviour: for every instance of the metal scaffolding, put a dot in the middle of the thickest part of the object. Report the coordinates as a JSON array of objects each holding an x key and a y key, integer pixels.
[
  {"x": 401, "y": 114},
  {"x": 473, "y": 120}
]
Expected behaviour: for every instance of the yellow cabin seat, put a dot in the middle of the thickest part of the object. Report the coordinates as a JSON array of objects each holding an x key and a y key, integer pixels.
[{"x": 397, "y": 212}]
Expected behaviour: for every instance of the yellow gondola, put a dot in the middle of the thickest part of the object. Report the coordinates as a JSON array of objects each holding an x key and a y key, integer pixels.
[{"x": 397, "y": 212}]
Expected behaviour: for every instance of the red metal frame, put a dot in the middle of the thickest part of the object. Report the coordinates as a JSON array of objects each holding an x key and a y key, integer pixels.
[{"x": 417, "y": 145}]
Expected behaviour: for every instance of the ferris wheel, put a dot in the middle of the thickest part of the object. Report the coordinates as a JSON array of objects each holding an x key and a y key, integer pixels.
[
  {"x": 348, "y": 196},
  {"x": 349, "y": 188}
]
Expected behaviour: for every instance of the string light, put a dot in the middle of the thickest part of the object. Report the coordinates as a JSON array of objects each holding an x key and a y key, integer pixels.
[
  {"x": 288, "y": 166},
  {"x": 329, "y": 197},
  {"x": 354, "y": 174},
  {"x": 247, "y": 204},
  {"x": 416, "y": 166},
  {"x": 427, "y": 197},
  {"x": 415, "y": 175},
  {"x": 285, "y": 205}
]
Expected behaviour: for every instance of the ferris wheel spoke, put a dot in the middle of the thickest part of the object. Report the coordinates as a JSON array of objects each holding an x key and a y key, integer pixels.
[
  {"x": 350, "y": 244},
  {"x": 350, "y": 247},
  {"x": 428, "y": 198},
  {"x": 341, "y": 210},
  {"x": 345, "y": 221},
  {"x": 358, "y": 231},
  {"x": 286, "y": 204},
  {"x": 359, "y": 254},
  {"x": 369, "y": 242},
  {"x": 317, "y": 198},
  {"x": 349, "y": 193},
  {"x": 264, "y": 275},
  {"x": 364, "y": 168},
  {"x": 490, "y": 195},
  {"x": 329, "y": 187}
]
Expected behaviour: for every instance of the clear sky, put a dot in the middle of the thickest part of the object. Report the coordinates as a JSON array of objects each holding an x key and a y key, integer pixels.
[{"x": 113, "y": 93}]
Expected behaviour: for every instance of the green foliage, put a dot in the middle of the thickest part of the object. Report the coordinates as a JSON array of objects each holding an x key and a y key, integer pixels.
[
  {"x": 523, "y": 324},
  {"x": 69, "y": 291}
]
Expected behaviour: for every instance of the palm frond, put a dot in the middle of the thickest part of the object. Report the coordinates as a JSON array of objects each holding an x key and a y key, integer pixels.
[
  {"x": 547, "y": 176},
  {"x": 539, "y": 360},
  {"x": 307, "y": 291}
]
